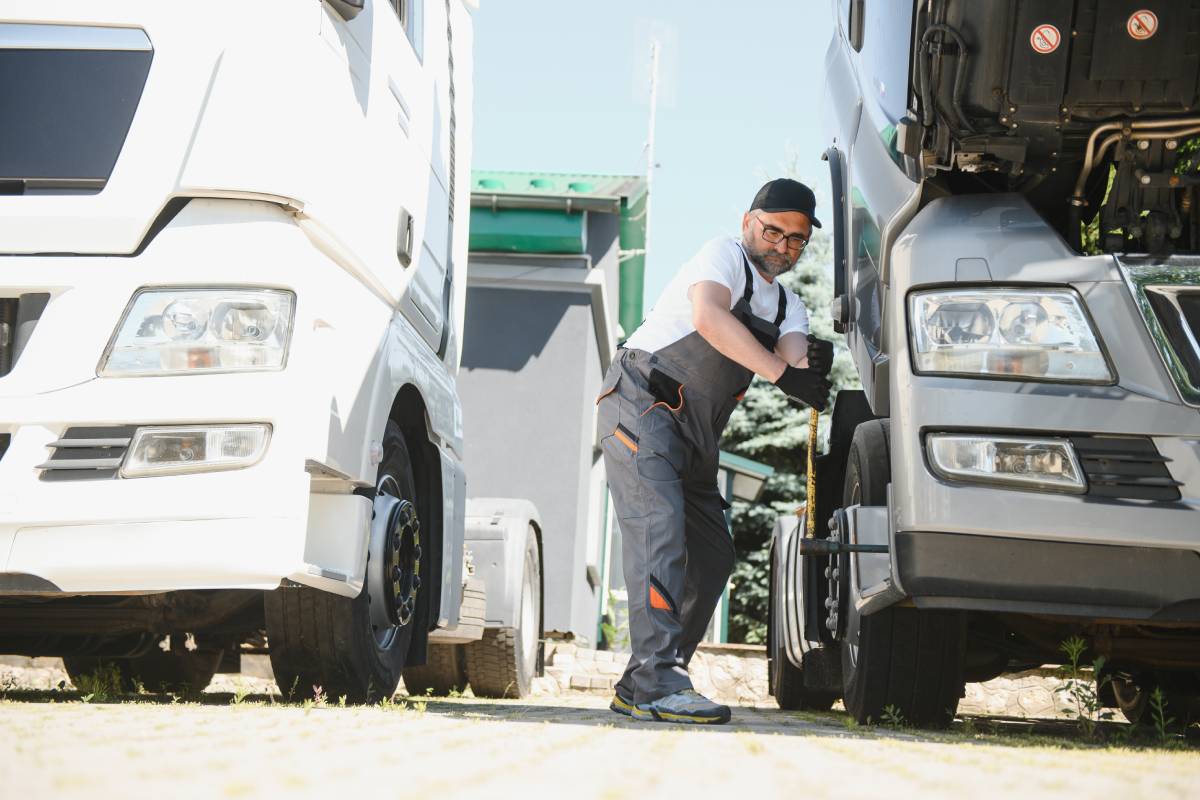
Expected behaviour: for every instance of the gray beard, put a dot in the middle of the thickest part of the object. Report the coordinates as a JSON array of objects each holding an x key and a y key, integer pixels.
[{"x": 766, "y": 267}]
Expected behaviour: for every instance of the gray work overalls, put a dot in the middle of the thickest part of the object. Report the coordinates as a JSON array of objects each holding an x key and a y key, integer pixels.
[{"x": 661, "y": 416}]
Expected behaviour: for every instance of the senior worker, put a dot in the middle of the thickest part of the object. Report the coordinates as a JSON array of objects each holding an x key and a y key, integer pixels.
[{"x": 665, "y": 401}]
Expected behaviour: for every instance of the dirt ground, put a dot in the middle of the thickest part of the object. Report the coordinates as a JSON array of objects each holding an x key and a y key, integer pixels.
[{"x": 52, "y": 744}]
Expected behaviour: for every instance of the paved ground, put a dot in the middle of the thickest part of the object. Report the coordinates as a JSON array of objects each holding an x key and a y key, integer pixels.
[{"x": 52, "y": 744}]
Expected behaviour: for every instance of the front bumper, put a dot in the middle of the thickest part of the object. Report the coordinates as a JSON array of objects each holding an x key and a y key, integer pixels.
[
  {"x": 945, "y": 570},
  {"x": 244, "y": 528}
]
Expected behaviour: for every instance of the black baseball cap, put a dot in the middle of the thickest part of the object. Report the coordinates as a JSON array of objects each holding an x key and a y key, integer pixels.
[{"x": 785, "y": 194}]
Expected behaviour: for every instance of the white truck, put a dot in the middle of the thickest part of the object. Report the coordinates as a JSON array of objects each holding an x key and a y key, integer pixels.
[{"x": 232, "y": 253}]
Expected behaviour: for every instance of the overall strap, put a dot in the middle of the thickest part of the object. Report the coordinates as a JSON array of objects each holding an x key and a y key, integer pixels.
[{"x": 746, "y": 295}]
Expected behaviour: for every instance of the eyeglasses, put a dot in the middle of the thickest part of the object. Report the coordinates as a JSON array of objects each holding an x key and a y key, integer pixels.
[{"x": 774, "y": 235}]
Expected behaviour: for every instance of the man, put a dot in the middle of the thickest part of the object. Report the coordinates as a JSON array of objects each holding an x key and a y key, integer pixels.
[{"x": 665, "y": 401}]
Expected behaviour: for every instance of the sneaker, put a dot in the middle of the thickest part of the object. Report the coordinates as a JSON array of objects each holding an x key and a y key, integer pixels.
[
  {"x": 622, "y": 706},
  {"x": 687, "y": 706}
]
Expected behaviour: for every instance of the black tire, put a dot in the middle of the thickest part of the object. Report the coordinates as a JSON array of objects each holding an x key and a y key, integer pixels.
[
  {"x": 319, "y": 639},
  {"x": 898, "y": 661},
  {"x": 785, "y": 678},
  {"x": 444, "y": 672},
  {"x": 186, "y": 672},
  {"x": 503, "y": 662}
]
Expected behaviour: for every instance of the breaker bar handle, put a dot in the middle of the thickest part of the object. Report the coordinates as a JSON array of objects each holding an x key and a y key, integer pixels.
[{"x": 829, "y": 547}]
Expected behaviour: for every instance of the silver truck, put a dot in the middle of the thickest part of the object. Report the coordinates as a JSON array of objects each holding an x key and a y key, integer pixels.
[{"x": 1017, "y": 270}]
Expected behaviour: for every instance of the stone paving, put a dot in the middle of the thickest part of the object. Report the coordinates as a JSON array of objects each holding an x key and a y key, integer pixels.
[
  {"x": 738, "y": 674},
  {"x": 226, "y": 745},
  {"x": 499, "y": 749}
]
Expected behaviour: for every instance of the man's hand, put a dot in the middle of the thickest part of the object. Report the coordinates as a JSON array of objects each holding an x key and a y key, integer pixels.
[
  {"x": 805, "y": 385},
  {"x": 820, "y": 355}
]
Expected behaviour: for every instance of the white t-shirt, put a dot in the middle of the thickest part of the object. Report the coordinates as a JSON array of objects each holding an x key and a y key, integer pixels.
[{"x": 719, "y": 261}]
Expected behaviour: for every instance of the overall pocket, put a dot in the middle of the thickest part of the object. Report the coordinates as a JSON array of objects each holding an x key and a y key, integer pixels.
[{"x": 666, "y": 391}]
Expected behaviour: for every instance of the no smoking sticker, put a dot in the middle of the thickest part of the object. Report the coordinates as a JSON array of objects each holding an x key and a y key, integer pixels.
[
  {"x": 1045, "y": 39},
  {"x": 1142, "y": 24}
]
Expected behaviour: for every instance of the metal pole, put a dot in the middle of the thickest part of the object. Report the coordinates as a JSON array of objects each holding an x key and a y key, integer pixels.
[{"x": 650, "y": 165}]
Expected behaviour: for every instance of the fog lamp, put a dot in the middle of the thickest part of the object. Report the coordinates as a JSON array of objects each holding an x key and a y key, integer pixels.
[
  {"x": 197, "y": 448},
  {"x": 1019, "y": 462}
]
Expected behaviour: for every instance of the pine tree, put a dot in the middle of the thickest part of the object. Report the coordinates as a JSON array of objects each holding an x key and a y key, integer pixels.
[{"x": 767, "y": 428}]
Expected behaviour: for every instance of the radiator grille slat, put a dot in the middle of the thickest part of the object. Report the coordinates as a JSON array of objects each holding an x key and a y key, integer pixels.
[{"x": 87, "y": 453}]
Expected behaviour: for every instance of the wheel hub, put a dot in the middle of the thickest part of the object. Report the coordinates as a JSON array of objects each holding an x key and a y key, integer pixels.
[
  {"x": 837, "y": 575},
  {"x": 402, "y": 560},
  {"x": 394, "y": 563}
]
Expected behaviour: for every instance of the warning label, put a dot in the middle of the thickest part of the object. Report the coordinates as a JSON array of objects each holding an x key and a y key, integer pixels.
[
  {"x": 1142, "y": 24},
  {"x": 1045, "y": 39}
]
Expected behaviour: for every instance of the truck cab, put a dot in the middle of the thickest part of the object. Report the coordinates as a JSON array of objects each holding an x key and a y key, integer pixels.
[
  {"x": 234, "y": 246},
  {"x": 1016, "y": 251}
]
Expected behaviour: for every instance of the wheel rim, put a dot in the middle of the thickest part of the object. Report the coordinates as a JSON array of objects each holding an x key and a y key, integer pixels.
[
  {"x": 850, "y": 639},
  {"x": 1130, "y": 697},
  {"x": 401, "y": 565}
]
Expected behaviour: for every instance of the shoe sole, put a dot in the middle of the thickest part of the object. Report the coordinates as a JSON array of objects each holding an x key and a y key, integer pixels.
[
  {"x": 655, "y": 715},
  {"x": 621, "y": 706}
]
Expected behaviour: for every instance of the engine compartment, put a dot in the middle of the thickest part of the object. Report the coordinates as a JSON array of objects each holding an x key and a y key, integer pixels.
[{"x": 1089, "y": 108}]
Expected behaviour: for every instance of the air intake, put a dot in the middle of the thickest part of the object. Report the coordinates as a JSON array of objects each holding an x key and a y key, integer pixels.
[{"x": 1125, "y": 468}]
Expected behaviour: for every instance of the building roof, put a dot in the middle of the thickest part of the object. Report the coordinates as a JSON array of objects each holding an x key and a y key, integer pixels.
[
  {"x": 500, "y": 184},
  {"x": 515, "y": 212},
  {"x": 745, "y": 466}
]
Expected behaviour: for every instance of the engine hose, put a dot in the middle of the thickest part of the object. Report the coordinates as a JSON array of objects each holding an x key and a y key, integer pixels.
[{"x": 960, "y": 74}]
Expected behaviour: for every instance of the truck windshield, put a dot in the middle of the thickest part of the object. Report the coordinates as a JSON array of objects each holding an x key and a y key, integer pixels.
[{"x": 67, "y": 97}]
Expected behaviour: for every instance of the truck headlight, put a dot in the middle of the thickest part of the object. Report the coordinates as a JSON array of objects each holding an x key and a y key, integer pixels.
[
  {"x": 176, "y": 331},
  {"x": 1019, "y": 462},
  {"x": 1035, "y": 334}
]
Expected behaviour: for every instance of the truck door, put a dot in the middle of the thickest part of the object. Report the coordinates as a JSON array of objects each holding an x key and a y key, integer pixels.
[
  {"x": 422, "y": 229},
  {"x": 876, "y": 47}
]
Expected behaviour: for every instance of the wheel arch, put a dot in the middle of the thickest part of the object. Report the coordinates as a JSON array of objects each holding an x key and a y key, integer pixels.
[{"x": 410, "y": 412}]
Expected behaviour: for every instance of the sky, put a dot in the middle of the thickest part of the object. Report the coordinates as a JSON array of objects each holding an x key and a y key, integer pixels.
[{"x": 563, "y": 86}]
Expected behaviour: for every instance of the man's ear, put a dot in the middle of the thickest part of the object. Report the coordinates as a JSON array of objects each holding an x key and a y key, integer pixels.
[{"x": 745, "y": 222}]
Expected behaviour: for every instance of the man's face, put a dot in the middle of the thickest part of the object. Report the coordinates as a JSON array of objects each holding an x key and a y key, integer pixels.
[{"x": 775, "y": 258}]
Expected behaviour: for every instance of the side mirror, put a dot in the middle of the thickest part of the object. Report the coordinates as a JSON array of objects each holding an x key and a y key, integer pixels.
[{"x": 347, "y": 9}]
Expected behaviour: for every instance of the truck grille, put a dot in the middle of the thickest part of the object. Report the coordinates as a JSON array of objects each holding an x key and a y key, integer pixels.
[
  {"x": 1178, "y": 311},
  {"x": 1125, "y": 468},
  {"x": 18, "y": 317},
  {"x": 69, "y": 95},
  {"x": 1167, "y": 293},
  {"x": 87, "y": 454}
]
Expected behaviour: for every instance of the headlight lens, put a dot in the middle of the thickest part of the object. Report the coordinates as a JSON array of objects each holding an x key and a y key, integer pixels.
[
  {"x": 1047, "y": 464},
  {"x": 1037, "y": 334},
  {"x": 169, "y": 331}
]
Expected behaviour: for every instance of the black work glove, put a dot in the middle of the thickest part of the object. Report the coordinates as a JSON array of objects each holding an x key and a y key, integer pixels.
[
  {"x": 805, "y": 385},
  {"x": 820, "y": 355}
]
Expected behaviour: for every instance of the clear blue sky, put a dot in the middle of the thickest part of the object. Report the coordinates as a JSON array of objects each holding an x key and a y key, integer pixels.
[{"x": 563, "y": 85}]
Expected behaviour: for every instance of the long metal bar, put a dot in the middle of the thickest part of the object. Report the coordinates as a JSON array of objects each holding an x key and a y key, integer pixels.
[{"x": 829, "y": 547}]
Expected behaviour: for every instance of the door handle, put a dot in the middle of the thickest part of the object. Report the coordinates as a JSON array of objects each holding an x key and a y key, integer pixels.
[{"x": 404, "y": 238}]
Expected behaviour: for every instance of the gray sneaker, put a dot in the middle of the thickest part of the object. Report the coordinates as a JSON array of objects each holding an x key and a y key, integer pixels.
[{"x": 687, "y": 706}]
